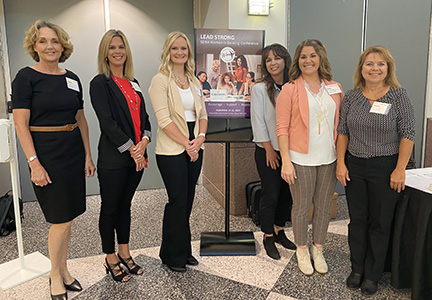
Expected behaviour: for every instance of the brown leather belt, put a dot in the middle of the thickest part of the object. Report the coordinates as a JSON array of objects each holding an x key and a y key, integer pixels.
[{"x": 67, "y": 127}]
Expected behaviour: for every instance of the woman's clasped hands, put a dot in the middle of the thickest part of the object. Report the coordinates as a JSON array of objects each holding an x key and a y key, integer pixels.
[
  {"x": 193, "y": 148},
  {"x": 137, "y": 153}
]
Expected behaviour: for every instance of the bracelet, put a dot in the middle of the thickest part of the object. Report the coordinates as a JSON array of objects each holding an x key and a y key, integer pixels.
[
  {"x": 31, "y": 158},
  {"x": 146, "y": 137},
  {"x": 202, "y": 134}
]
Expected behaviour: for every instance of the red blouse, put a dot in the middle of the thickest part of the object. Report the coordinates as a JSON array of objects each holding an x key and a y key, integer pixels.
[{"x": 134, "y": 103}]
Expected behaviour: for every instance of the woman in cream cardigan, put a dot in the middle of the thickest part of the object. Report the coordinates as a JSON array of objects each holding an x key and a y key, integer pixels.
[
  {"x": 307, "y": 114},
  {"x": 178, "y": 103}
]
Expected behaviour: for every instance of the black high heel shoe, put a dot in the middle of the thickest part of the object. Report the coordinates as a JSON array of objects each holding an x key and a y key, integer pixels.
[
  {"x": 57, "y": 297},
  {"x": 117, "y": 274},
  {"x": 75, "y": 286},
  {"x": 134, "y": 269}
]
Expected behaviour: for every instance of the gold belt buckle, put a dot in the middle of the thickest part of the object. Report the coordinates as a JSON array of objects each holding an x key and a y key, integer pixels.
[{"x": 70, "y": 127}]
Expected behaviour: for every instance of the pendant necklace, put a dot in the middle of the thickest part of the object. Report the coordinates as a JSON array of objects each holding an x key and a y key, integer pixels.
[
  {"x": 320, "y": 115},
  {"x": 134, "y": 104},
  {"x": 182, "y": 84}
]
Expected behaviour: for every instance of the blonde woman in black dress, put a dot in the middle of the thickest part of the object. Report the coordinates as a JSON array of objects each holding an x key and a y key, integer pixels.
[{"x": 51, "y": 126}]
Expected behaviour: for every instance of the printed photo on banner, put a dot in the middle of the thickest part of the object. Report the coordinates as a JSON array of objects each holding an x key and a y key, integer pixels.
[{"x": 227, "y": 63}]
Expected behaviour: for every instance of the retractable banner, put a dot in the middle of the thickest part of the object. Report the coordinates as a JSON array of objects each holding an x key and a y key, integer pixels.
[{"x": 227, "y": 63}]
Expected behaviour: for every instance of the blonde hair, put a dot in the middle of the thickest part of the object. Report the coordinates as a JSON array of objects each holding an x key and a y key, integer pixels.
[
  {"x": 391, "y": 79},
  {"x": 32, "y": 35},
  {"x": 222, "y": 79},
  {"x": 166, "y": 64},
  {"x": 103, "y": 63},
  {"x": 324, "y": 70}
]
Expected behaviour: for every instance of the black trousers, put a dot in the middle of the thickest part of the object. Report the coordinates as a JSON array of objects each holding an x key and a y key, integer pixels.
[
  {"x": 180, "y": 176},
  {"x": 117, "y": 188},
  {"x": 371, "y": 204},
  {"x": 276, "y": 201}
]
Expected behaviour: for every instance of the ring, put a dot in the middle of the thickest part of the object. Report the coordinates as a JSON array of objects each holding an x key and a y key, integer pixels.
[
  {"x": 196, "y": 151},
  {"x": 139, "y": 155}
]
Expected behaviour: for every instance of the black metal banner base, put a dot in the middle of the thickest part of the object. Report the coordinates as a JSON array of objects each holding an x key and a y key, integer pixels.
[{"x": 238, "y": 243}]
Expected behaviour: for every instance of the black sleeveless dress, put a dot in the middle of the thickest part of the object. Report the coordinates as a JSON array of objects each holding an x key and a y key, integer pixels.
[{"x": 54, "y": 102}]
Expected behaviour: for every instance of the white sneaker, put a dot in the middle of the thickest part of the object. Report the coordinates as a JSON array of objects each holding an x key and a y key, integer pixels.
[
  {"x": 319, "y": 261},
  {"x": 304, "y": 261}
]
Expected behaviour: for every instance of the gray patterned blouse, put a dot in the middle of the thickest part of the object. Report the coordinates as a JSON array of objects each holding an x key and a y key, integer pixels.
[{"x": 371, "y": 134}]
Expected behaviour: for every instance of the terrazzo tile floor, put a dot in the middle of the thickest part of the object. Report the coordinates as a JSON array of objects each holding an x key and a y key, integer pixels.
[{"x": 216, "y": 277}]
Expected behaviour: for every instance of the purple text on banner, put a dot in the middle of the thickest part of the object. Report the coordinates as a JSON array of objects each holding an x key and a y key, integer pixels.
[{"x": 228, "y": 109}]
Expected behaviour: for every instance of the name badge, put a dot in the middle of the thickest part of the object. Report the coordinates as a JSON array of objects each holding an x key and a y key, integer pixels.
[
  {"x": 333, "y": 89},
  {"x": 380, "y": 108},
  {"x": 72, "y": 84},
  {"x": 135, "y": 86},
  {"x": 199, "y": 92}
]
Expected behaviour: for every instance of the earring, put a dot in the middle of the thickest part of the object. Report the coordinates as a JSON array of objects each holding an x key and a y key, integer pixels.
[{"x": 106, "y": 59}]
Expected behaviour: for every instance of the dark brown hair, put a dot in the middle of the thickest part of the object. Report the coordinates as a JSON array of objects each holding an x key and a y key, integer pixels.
[{"x": 281, "y": 51}]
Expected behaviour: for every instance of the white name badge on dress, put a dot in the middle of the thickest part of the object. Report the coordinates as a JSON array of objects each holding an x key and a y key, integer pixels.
[
  {"x": 333, "y": 89},
  {"x": 380, "y": 108},
  {"x": 72, "y": 84},
  {"x": 136, "y": 87}
]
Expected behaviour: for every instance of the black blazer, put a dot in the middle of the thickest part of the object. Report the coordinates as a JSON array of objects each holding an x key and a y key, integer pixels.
[{"x": 115, "y": 122}]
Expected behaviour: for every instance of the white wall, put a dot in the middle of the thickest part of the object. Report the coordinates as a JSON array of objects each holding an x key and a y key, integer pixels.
[
  {"x": 232, "y": 14},
  {"x": 5, "y": 182},
  {"x": 211, "y": 14},
  {"x": 275, "y": 25}
]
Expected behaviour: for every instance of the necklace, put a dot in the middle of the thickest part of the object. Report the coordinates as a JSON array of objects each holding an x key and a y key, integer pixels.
[
  {"x": 134, "y": 104},
  {"x": 322, "y": 114},
  {"x": 182, "y": 84}
]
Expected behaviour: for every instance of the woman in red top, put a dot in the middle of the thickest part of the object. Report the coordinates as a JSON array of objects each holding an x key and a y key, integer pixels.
[
  {"x": 240, "y": 73},
  {"x": 125, "y": 133}
]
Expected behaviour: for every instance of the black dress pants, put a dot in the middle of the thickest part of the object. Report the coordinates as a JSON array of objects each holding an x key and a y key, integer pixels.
[
  {"x": 276, "y": 201},
  {"x": 117, "y": 188},
  {"x": 371, "y": 204},
  {"x": 180, "y": 176}
]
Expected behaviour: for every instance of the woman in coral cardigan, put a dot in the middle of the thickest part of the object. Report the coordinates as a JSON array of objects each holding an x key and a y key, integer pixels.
[{"x": 307, "y": 113}]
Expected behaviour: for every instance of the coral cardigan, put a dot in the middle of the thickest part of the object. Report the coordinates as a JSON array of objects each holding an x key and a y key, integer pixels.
[
  {"x": 292, "y": 114},
  {"x": 168, "y": 107}
]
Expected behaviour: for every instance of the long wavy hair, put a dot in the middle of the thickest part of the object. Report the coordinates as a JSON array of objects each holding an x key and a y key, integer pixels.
[
  {"x": 324, "y": 70},
  {"x": 243, "y": 62},
  {"x": 32, "y": 35},
  {"x": 222, "y": 79},
  {"x": 391, "y": 78},
  {"x": 103, "y": 63},
  {"x": 166, "y": 63},
  {"x": 281, "y": 51}
]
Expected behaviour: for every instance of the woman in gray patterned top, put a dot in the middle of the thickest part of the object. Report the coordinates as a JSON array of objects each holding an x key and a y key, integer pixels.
[{"x": 375, "y": 140}]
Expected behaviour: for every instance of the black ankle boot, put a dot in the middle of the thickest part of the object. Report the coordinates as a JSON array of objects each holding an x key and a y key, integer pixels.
[
  {"x": 270, "y": 247},
  {"x": 282, "y": 239}
]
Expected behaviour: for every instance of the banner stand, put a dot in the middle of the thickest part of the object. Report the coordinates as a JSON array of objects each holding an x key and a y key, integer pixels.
[
  {"x": 228, "y": 243},
  {"x": 30, "y": 266}
]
